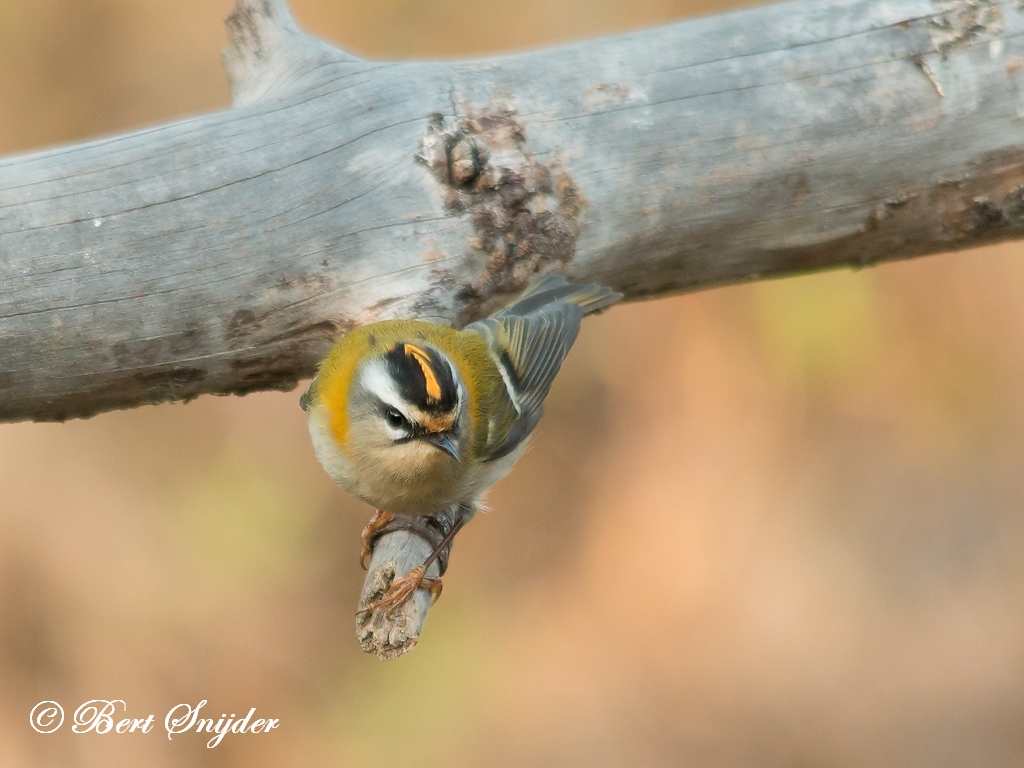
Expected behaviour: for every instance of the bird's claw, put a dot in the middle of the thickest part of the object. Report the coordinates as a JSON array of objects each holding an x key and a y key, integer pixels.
[
  {"x": 402, "y": 588},
  {"x": 370, "y": 530}
]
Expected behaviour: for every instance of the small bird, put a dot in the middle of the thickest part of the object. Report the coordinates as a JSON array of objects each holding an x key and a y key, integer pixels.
[{"x": 414, "y": 417}]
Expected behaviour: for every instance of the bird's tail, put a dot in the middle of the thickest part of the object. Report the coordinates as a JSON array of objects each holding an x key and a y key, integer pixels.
[{"x": 551, "y": 289}]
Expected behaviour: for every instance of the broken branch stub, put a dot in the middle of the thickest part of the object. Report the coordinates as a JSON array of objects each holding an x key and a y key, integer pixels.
[
  {"x": 405, "y": 543},
  {"x": 267, "y": 50}
]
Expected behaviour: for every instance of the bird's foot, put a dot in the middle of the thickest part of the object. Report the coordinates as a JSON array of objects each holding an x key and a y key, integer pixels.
[
  {"x": 379, "y": 520},
  {"x": 402, "y": 588}
]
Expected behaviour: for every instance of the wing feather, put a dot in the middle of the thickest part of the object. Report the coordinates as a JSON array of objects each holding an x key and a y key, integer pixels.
[{"x": 528, "y": 341}]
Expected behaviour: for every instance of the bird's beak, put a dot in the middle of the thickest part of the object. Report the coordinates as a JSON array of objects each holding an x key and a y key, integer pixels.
[{"x": 443, "y": 440}]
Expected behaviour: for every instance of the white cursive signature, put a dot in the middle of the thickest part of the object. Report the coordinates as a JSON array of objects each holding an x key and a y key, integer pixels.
[
  {"x": 189, "y": 719},
  {"x": 101, "y": 716}
]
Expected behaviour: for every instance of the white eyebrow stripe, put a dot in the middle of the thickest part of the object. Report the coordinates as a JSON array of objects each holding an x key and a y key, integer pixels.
[{"x": 377, "y": 380}]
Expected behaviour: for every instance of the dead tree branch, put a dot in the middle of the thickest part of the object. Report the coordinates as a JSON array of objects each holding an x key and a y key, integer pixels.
[{"x": 224, "y": 254}]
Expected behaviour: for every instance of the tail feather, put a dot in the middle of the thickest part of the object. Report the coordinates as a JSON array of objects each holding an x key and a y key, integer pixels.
[{"x": 551, "y": 289}]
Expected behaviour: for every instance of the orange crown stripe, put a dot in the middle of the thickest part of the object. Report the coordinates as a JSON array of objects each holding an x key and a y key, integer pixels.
[{"x": 429, "y": 377}]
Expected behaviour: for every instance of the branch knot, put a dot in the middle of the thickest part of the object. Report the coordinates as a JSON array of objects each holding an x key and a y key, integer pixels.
[{"x": 267, "y": 49}]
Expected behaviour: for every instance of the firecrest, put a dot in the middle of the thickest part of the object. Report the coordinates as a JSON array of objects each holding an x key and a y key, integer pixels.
[{"x": 414, "y": 417}]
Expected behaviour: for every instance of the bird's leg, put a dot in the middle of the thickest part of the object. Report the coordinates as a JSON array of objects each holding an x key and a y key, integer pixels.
[
  {"x": 403, "y": 587},
  {"x": 379, "y": 520}
]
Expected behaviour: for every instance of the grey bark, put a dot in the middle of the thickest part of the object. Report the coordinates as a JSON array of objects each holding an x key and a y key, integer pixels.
[
  {"x": 390, "y": 635},
  {"x": 224, "y": 254}
]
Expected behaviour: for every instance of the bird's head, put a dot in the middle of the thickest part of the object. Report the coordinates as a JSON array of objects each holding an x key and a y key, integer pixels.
[{"x": 405, "y": 403}]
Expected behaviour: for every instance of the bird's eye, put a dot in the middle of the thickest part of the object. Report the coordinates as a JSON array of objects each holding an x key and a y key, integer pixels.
[{"x": 395, "y": 419}]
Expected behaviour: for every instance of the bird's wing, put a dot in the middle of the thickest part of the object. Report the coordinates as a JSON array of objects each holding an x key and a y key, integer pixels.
[{"x": 528, "y": 340}]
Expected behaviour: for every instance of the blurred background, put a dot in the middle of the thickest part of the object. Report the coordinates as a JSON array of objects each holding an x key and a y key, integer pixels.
[{"x": 795, "y": 540}]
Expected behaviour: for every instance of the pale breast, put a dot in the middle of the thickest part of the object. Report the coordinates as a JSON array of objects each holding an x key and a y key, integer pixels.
[
  {"x": 414, "y": 480},
  {"x": 411, "y": 479},
  {"x": 334, "y": 461},
  {"x": 485, "y": 474}
]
